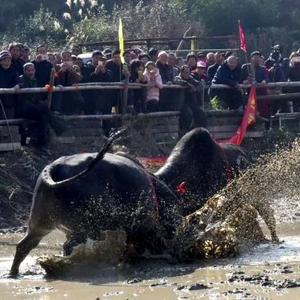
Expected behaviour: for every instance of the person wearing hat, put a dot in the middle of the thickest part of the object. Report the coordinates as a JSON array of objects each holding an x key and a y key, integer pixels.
[
  {"x": 200, "y": 72},
  {"x": 254, "y": 72},
  {"x": 8, "y": 79},
  {"x": 107, "y": 52},
  {"x": 165, "y": 70},
  {"x": 153, "y": 53}
]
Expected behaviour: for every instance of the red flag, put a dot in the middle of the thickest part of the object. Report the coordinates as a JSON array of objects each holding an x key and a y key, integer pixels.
[
  {"x": 248, "y": 118},
  {"x": 243, "y": 45}
]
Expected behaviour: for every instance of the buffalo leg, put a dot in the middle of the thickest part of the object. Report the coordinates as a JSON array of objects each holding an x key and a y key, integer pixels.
[
  {"x": 72, "y": 241},
  {"x": 30, "y": 241},
  {"x": 267, "y": 214}
]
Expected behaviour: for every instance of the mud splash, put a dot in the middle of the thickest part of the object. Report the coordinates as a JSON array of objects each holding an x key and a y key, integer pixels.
[
  {"x": 84, "y": 257},
  {"x": 225, "y": 226}
]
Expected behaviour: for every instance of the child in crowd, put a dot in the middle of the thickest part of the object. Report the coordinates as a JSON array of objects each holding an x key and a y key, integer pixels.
[{"x": 153, "y": 79}]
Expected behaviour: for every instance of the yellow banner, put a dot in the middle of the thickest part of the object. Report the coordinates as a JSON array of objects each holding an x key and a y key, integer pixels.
[{"x": 121, "y": 40}]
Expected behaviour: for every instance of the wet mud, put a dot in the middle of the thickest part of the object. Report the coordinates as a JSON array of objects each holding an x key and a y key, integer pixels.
[{"x": 265, "y": 271}]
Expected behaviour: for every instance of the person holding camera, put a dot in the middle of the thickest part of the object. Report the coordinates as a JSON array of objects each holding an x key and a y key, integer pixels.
[
  {"x": 69, "y": 74},
  {"x": 277, "y": 65}
]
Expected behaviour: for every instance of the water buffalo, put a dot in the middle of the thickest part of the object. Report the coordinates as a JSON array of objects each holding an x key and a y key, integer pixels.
[
  {"x": 85, "y": 194},
  {"x": 200, "y": 166}
]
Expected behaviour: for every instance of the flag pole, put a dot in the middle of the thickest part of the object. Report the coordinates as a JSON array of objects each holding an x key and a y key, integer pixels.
[{"x": 125, "y": 67}]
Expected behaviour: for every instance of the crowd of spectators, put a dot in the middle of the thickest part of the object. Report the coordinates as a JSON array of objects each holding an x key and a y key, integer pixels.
[{"x": 21, "y": 67}]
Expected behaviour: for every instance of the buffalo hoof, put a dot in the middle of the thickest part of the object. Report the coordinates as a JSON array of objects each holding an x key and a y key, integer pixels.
[
  {"x": 275, "y": 240},
  {"x": 11, "y": 275}
]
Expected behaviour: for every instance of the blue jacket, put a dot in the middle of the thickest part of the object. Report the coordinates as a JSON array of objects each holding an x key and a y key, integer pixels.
[{"x": 226, "y": 76}]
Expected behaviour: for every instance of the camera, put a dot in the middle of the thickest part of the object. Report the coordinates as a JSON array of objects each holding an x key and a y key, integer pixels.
[{"x": 276, "y": 54}]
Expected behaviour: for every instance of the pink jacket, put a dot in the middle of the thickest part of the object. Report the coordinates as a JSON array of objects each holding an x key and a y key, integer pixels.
[{"x": 156, "y": 82}]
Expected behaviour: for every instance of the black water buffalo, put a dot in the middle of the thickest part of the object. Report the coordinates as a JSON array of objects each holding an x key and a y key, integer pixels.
[
  {"x": 198, "y": 167},
  {"x": 85, "y": 194}
]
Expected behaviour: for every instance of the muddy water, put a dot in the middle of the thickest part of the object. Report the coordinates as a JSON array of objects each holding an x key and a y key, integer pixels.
[{"x": 256, "y": 274}]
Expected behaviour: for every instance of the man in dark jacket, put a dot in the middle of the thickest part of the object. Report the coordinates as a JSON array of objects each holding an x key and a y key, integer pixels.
[
  {"x": 115, "y": 66},
  {"x": 191, "y": 114},
  {"x": 119, "y": 72},
  {"x": 30, "y": 106},
  {"x": 16, "y": 61},
  {"x": 229, "y": 74},
  {"x": 100, "y": 100},
  {"x": 255, "y": 72},
  {"x": 8, "y": 79},
  {"x": 33, "y": 107},
  {"x": 42, "y": 66},
  {"x": 212, "y": 70}
]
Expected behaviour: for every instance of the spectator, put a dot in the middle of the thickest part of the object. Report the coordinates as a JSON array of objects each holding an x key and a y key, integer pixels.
[
  {"x": 51, "y": 58},
  {"x": 127, "y": 57},
  {"x": 42, "y": 66},
  {"x": 154, "y": 79},
  {"x": 76, "y": 50},
  {"x": 16, "y": 61},
  {"x": 144, "y": 58},
  {"x": 87, "y": 69},
  {"x": 57, "y": 57},
  {"x": 294, "y": 75},
  {"x": 212, "y": 70},
  {"x": 25, "y": 54},
  {"x": 201, "y": 56},
  {"x": 74, "y": 58},
  {"x": 210, "y": 59},
  {"x": 172, "y": 61},
  {"x": 153, "y": 53},
  {"x": 30, "y": 106},
  {"x": 165, "y": 71},
  {"x": 100, "y": 100},
  {"x": 137, "y": 51},
  {"x": 107, "y": 53},
  {"x": 119, "y": 72},
  {"x": 200, "y": 73},
  {"x": 294, "y": 68},
  {"x": 253, "y": 71},
  {"x": 180, "y": 62},
  {"x": 191, "y": 113},
  {"x": 136, "y": 97},
  {"x": 191, "y": 61},
  {"x": 133, "y": 55},
  {"x": 230, "y": 74},
  {"x": 33, "y": 107},
  {"x": 115, "y": 66},
  {"x": 228, "y": 54},
  {"x": 276, "y": 65},
  {"x": 72, "y": 102},
  {"x": 8, "y": 79}
]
